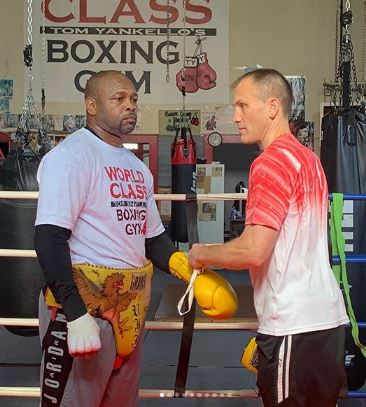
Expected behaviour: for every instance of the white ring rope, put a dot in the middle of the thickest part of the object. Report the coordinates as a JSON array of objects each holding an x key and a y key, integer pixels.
[
  {"x": 149, "y": 325},
  {"x": 238, "y": 324},
  {"x": 17, "y": 253},
  {"x": 143, "y": 393},
  {"x": 158, "y": 197}
]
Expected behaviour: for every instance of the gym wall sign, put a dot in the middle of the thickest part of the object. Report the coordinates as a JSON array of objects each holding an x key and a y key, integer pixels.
[
  {"x": 136, "y": 37},
  {"x": 171, "y": 120}
]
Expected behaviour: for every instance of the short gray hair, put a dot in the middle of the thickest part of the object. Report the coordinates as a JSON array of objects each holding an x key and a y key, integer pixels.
[{"x": 271, "y": 83}]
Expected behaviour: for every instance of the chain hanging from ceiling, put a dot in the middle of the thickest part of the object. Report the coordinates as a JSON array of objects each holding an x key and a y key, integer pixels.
[
  {"x": 30, "y": 117},
  {"x": 345, "y": 90},
  {"x": 167, "y": 74}
]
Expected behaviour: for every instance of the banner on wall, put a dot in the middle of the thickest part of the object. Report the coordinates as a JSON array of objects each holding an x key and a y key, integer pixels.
[
  {"x": 171, "y": 120},
  {"x": 85, "y": 36},
  {"x": 219, "y": 119}
]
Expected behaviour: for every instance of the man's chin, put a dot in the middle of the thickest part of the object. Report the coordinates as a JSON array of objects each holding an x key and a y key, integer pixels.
[
  {"x": 128, "y": 129},
  {"x": 247, "y": 140},
  {"x": 244, "y": 139}
]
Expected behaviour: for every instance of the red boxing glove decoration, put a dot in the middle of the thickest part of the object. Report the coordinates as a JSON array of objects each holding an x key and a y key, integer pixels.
[
  {"x": 206, "y": 76},
  {"x": 187, "y": 76}
]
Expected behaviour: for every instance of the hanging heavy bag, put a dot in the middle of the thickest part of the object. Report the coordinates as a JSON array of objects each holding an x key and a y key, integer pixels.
[
  {"x": 343, "y": 157},
  {"x": 21, "y": 278},
  {"x": 183, "y": 162}
]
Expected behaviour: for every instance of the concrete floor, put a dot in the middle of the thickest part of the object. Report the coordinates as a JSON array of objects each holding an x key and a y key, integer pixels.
[{"x": 214, "y": 361}]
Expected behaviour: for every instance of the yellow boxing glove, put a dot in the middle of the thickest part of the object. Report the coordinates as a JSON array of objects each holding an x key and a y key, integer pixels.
[
  {"x": 215, "y": 296},
  {"x": 249, "y": 358}
]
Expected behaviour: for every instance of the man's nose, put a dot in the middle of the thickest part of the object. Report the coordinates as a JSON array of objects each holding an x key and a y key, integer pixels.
[
  {"x": 131, "y": 105},
  {"x": 236, "y": 116}
]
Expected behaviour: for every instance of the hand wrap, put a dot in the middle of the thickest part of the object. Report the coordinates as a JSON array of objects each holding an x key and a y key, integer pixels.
[{"x": 83, "y": 336}]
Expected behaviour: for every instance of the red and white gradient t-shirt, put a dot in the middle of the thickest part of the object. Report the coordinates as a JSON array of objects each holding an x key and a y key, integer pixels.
[{"x": 295, "y": 291}]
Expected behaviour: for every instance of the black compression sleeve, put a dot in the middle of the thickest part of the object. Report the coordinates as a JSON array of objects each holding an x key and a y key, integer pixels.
[
  {"x": 159, "y": 249},
  {"x": 53, "y": 252}
]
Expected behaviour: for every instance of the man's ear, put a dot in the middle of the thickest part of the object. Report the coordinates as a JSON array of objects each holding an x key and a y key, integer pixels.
[
  {"x": 91, "y": 105},
  {"x": 274, "y": 107}
]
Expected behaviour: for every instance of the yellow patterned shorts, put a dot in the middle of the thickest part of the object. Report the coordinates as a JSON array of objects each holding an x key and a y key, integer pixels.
[{"x": 120, "y": 296}]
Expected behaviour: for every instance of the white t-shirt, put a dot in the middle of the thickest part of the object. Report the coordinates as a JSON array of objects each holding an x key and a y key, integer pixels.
[
  {"x": 296, "y": 291},
  {"x": 104, "y": 195}
]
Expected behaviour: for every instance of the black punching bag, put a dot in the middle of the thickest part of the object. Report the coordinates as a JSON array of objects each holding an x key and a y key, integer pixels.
[
  {"x": 183, "y": 162},
  {"x": 21, "y": 278},
  {"x": 343, "y": 155}
]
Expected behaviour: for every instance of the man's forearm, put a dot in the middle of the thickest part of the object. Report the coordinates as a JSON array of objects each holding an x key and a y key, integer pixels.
[
  {"x": 250, "y": 250},
  {"x": 159, "y": 249},
  {"x": 231, "y": 255},
  {"x": 53, "y": 252}
]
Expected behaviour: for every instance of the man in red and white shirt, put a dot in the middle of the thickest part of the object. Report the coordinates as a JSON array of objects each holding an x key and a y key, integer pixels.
[{"x": 284, "y": 245}]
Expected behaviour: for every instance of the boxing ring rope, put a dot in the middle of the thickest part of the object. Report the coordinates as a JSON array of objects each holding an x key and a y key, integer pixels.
[
  {"x": 350, "y": 197},
  {"x": 158, "y": 197},
  {"x": 161, "y": 325},
  {"x": 174, "y": 197},
  {"x": 143, "y": 393}
]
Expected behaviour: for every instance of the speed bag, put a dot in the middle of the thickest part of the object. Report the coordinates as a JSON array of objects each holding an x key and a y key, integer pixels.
[
  {"x": 343, "y": 158},
  {"x": 21, "y": 278},
  {"x": 183, "y": 162}
]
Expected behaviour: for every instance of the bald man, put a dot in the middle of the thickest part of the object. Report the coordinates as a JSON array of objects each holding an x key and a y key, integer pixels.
[
  {"x": 96, "y": 216},
  {"x": 98, "y": 232},
  {"x": 300, "y": 309}
]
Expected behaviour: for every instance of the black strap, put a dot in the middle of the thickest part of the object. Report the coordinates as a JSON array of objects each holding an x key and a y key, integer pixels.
[
  {"x": 174, "y": 144},
  {"x": 191, "y": 212},
  {"x": 182, "y": 132},
  {"x": 188, "y": 319},
  {"x": 57, "y": 361}
]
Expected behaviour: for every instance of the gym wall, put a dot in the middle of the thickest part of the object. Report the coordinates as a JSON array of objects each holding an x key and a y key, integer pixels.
[{"x": 297, "y": 37}]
